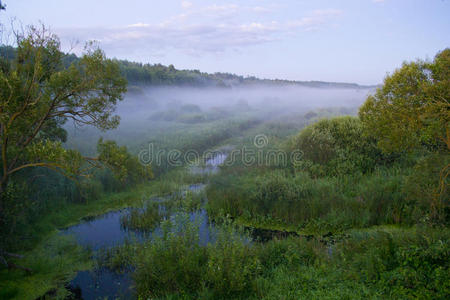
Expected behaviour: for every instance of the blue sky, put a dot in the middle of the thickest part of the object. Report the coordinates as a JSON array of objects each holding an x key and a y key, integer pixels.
[{"x": 346, "y": 41}]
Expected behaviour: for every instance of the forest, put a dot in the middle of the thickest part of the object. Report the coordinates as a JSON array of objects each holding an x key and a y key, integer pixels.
[
  {"x": 138, "y": 74},
  {"x": 123, "y": 180}
]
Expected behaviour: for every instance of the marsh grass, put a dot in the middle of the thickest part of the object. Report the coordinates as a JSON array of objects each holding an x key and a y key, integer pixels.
[
  {"x": 142, "y": 219},
  {"x": 55, "y": 259},
  {"x": 53, "y": 262},
  {"x": 381, "y": 255},
  {"x": 279, "y": 200},
  {"x": 377, "y": 263}
]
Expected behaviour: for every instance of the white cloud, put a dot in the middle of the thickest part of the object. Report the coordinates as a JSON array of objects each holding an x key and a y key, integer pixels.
[
  {"x": 260, "y": 9},
  {"x": 138, "y": 25},
  {"x": 378, "y": 1},
  {"x": 327, "y": 12},
  {"x": 196, "y": 31},
  {"x": 316, "y": 20},
  {"x": 186, "y": 4}
]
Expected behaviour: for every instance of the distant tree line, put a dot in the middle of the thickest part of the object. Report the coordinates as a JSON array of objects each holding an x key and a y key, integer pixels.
[{"x": 157, "y": 74}]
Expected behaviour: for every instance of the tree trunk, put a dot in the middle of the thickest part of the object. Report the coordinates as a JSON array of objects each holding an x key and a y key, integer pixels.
[{"x": 3, "y": 186}]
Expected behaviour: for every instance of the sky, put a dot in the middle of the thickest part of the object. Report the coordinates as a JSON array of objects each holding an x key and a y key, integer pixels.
[{"x": 328, "y": 40}]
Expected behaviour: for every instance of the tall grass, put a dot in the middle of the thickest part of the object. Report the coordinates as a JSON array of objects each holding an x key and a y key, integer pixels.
[
  {"x": 312, "y": 205},
  {"x": 53, "y": 262},
  {"x": 379, "y": 263}
]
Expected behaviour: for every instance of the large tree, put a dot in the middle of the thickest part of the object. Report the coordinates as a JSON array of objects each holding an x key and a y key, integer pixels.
[
  {"x": 411, "y": 111},
  {"x": 38, "y": 94}
]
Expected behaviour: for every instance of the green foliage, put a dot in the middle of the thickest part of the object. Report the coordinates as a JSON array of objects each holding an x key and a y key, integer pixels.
[
  {"x": 126, "y": 167},
  {"x": 334, "y": 147},
  {"x": 89, "y": 189},
  {"x": 38, "y": 94},
  {"x": 410, "y": 110},
  {"x": 400, "y": 264},
  {"x": 15, "y": 215},
  {"x": 314, "y": 205},
  {"x": 54, "y": 156},
  {"x": 377, "y": 264},
  {"x": 142, "y": 219},
  {"x": 53, "y": 262},
  {"x": 232, "y": 264},
  {"x": 177, "y": 264},
  {"x": 339, "y": 190},
  {"x": 157, "y": 74},
  {"x": 422, "y": 188},
  {"x": 173, "y": 263}
]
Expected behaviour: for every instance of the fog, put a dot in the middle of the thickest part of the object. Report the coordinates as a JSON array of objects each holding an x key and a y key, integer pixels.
[
  {"x": 172, "y": 113},
  {"x": 141, "y": 104}
]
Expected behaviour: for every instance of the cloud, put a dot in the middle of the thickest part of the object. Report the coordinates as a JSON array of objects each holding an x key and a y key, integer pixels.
[
  {"x": 316, "y": 19},
  {"x": 186, "y": 4},
  {"x": 378, "y": 1},
  {"x": 260, "y": 9},
  {"x": 198, "y": 31}
]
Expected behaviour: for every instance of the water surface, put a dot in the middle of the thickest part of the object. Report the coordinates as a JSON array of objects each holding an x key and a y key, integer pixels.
[{"x": 106, "y": 231}]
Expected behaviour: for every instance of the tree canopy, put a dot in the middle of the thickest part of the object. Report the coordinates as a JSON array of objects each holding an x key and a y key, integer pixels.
[
  {"x": 412, "y": 110},
  {"x": 38, "y": 94},
  {"x": 336, "y": 146}
]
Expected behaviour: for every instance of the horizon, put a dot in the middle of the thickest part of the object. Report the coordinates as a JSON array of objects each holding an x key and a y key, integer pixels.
[{"x": 369, "y": 38}]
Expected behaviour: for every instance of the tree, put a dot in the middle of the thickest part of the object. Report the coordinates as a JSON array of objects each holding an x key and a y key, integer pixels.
[
  {"x": 38, "y": 94},
  {"x": 125, "y": 167},
  {"x": 411, "y": 111}
]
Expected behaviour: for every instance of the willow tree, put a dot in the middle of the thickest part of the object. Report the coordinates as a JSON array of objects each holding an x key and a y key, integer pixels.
[
  {"x": 411, "y": 111},
  {"x": 38, "y": 94},
  {"x": 412, "y": 107}
]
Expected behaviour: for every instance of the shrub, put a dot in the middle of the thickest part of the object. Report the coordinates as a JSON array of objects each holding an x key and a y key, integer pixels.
[
  {"x": 336, "y": 146},
  {"x": 177, "y": 263},
  {"x": 173, "y": 263},
  {"x": 400, "y": 264},
  {"x": 427, "y": 190}
]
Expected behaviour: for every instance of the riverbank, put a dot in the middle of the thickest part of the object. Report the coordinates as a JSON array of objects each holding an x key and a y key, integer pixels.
[{"x": 55, "y": 259}]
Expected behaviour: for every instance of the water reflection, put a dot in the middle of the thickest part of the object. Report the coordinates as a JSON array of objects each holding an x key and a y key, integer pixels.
[{"x": 107, "y": 231}]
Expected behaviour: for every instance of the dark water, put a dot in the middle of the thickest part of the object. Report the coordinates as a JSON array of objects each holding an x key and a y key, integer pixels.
[
  {"x": 100, "y": 284},
  {"x": 106, "y": 231}
]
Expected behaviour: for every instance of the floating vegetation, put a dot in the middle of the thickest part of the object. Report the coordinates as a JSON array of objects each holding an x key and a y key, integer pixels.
[{"x": 142, "y": 219}]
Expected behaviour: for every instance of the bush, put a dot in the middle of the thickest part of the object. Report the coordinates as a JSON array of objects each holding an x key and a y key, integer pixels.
[
  {"x": 423, "y": 190},
  {"x": 89, "y": 190},
  {"x": 177, "y": 263},
  {"x": 400, "y": 264},
  {"x": 336, "y": 146}
]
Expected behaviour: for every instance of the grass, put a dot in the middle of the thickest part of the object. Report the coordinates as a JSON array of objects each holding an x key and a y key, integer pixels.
[
  {"x": 142, "y": 219},
  {"x": 381, "y": 252},
  {"x": 53, "y": 262},
  {"x": 275, "y": 199},
  {"x": 376, "y": 263},
  {"x": 55, "y": 259}
]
